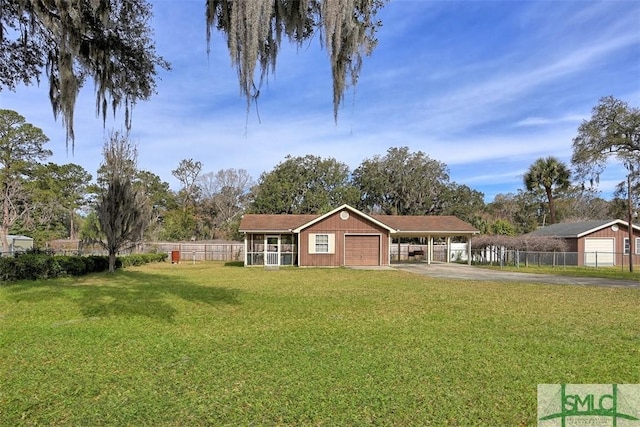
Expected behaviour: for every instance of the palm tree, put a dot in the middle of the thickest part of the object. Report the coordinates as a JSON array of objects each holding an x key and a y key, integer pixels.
[{"x": 551, "y": 175}]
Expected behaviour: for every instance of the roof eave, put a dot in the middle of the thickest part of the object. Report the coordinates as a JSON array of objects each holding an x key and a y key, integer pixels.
[
  {"x": 603, "y": 226},
  {"x": 267, "y": 231}
]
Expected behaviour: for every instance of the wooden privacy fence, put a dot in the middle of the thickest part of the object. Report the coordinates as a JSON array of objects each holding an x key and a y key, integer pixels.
[{"x": 231, "y": 251}]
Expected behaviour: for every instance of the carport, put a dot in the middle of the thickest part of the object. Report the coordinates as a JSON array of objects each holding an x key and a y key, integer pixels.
[{"x": 430, "y": 228}]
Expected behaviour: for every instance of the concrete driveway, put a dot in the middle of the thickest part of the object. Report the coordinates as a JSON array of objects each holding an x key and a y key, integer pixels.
[{"x": 467, "y": 272}]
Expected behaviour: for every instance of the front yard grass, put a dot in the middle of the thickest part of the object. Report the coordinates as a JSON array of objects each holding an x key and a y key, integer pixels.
[
  {"x": 209, "y": 344},
  {"x": 618, "y": 273}
]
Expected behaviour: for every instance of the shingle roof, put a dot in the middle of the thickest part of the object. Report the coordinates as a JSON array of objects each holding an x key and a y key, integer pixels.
[
  {"x": 400, "y": 223},
  {"x": 426, "y": 223},
  {"x": 572, "y": 229},
  {"x": 271, "y": 222}
]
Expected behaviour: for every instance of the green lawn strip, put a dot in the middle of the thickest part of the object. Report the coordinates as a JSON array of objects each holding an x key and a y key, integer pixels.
[
  {"x": 207, "y": 344},
  {"x": 621, "y": 273}
]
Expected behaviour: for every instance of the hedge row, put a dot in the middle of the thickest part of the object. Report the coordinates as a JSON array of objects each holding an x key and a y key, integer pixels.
[{"x": 32, "y": 266}]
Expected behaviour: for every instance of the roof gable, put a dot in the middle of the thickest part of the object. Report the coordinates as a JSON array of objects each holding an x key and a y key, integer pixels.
[{"x": 338, "y": 209}]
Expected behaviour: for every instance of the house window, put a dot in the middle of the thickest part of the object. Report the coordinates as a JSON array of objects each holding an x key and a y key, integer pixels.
[
  {"x": 322, "y": 243},
  {"x": 636, "y": 250}
]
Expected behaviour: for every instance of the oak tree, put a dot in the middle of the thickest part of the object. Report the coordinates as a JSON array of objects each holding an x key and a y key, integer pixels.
[
  {"x": 21, "y": 150},
  {"x": 304, "y": 185},
  {"x": 402, "y": 183},
  {"x": 613, "y": 131},
  {"x": 111, "y": 42}
]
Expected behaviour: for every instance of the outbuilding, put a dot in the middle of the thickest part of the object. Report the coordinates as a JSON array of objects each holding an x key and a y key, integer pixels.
[
  {"x": 597, "y": 242},
  {"x": 344, "y": 236},
  {"x": 19, "y": 243}
]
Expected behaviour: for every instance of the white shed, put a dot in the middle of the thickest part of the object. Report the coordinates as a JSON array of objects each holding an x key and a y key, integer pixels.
[{"x": 19, "y": 243}]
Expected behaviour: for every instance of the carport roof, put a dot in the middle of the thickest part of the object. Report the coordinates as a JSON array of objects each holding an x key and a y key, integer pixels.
[{"x": 424, "y": 225}]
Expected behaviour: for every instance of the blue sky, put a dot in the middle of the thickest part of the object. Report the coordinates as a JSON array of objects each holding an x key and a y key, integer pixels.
[{"x": 486, "y": 87}]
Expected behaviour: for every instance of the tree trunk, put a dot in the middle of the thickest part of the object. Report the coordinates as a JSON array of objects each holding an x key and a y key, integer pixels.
[
  {"x": 552, "y": 207},
  {"x": 72, "y": 226},
  {"x": 112, "y": 262},
  {"x": 5, "y": 220}
]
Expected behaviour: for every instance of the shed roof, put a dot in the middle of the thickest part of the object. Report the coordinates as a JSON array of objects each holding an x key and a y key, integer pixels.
[
  {"x": 18, "y": 237},
  {"x": 577, "y": 229}
]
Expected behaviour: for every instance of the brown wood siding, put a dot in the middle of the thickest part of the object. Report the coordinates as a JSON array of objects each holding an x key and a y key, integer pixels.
[
  {"x": 572, "y": 244},
  {"x": 355, "y": 224},
  {"x": 362, "y": 250},
  {"x": 621, "y": 258}
]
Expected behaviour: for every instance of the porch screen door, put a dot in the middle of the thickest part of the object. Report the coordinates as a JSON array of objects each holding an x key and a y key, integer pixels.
[{"x": 273, "y": 250}]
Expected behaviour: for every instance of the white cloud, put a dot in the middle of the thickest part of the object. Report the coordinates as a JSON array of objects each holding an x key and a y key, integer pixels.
[
  {"x": 486, "y": 87},
  {"x": 542, "y": 121}
]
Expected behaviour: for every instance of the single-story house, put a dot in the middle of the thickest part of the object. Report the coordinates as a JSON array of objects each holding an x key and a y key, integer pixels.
[
  {"x": 597, "y": 242},
  {"x": 343, "y": 237},
  {"x": 19, "y": 243}
]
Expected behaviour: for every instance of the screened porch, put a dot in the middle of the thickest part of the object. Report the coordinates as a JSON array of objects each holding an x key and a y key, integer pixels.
[{"x": 271, "y": 249}]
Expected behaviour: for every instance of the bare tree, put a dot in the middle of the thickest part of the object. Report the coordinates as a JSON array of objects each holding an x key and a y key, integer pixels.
[
  {"x": 123, "y": 211},
  {"x": 227, "y": 191}
]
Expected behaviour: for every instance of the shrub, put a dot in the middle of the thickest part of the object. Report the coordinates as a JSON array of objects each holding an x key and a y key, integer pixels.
[
  {"x": 100, "y": 263},
  {"x": 38, "y": 264},
  {"x": 141, "y": 259},
  {"x": 8, "y": 272},
  {"x": 74, "y": 265},
  {"x": 35, "y": 266}
]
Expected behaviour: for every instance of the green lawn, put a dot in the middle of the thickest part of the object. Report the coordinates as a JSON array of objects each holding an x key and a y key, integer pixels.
[
  {"x": 208, "y": 344},
  {"x": 619, "y": 273}
]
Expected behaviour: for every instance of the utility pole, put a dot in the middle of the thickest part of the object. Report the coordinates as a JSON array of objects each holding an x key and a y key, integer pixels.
[{"x": 630, "y": 217}]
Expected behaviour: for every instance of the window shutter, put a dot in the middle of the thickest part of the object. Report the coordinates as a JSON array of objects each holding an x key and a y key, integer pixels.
[
  {"x": 312, "y": 243},
  {"x": 332, "y": 243}
]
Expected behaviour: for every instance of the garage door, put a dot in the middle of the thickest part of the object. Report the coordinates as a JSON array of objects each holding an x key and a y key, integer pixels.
[
  {"x": 599, "y": 252},
  {"x": 362, "y": 250}
]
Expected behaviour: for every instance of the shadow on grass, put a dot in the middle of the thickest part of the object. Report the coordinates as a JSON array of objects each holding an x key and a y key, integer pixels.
[
  {"x": 234, "y": 264},
  {"x": 124, "y": 293}
]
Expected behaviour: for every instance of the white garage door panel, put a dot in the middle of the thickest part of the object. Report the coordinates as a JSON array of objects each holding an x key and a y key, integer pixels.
[{"x": 599, "y": 251}]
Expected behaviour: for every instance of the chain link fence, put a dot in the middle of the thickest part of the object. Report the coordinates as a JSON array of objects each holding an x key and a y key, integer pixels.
[{"x": 518, "y": 258}]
